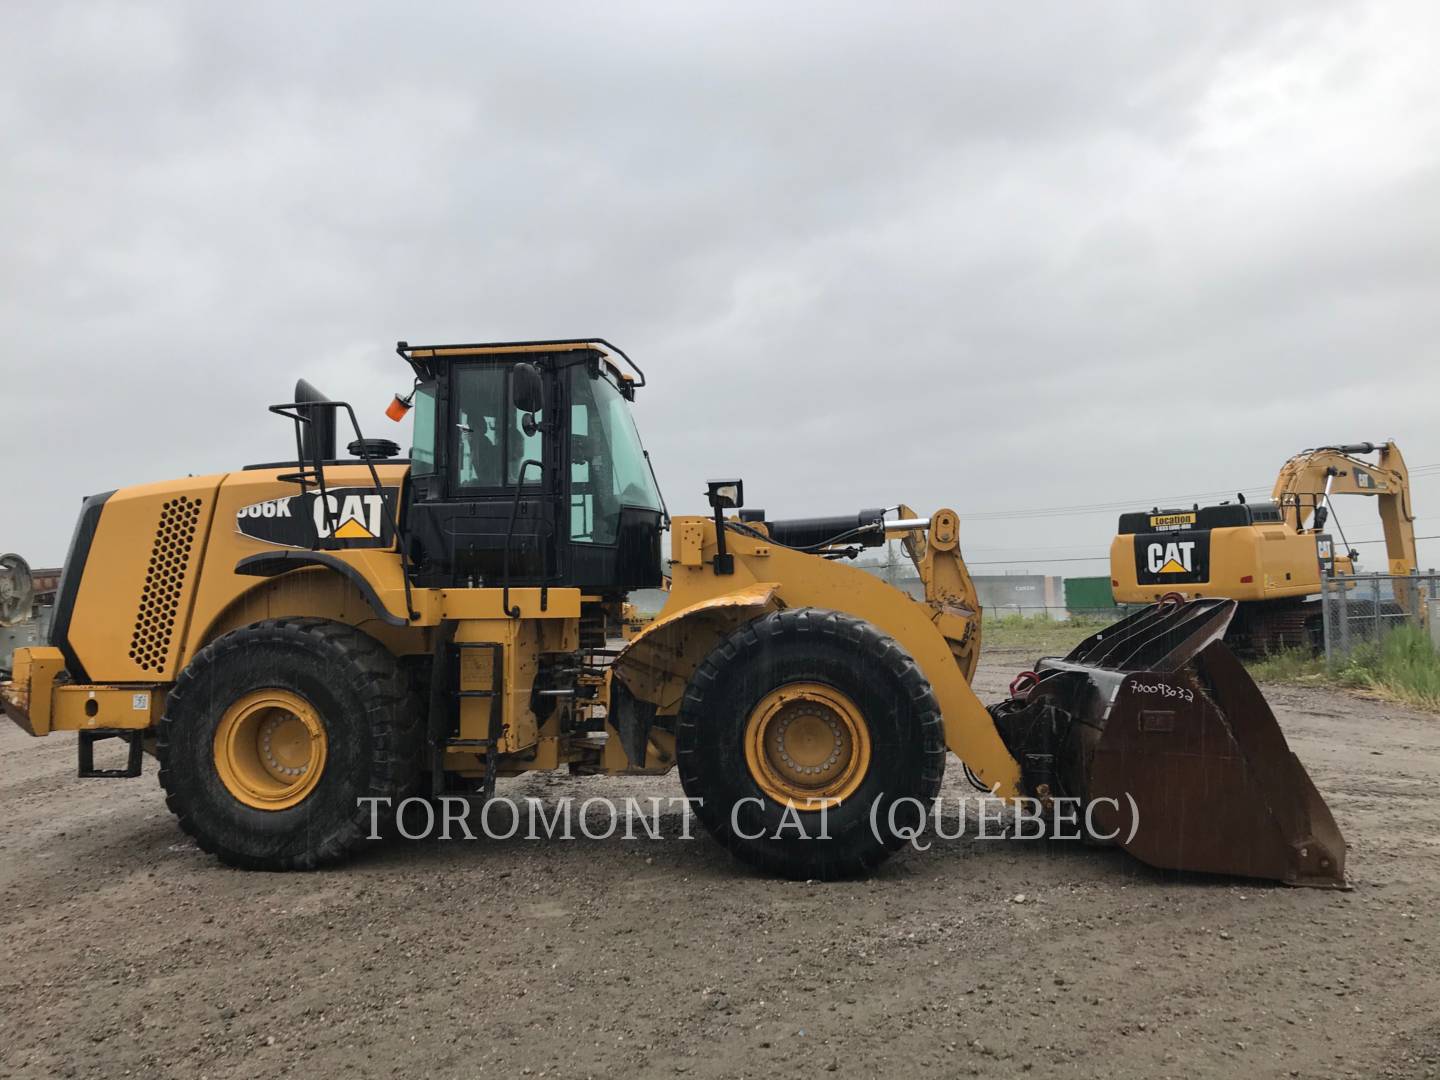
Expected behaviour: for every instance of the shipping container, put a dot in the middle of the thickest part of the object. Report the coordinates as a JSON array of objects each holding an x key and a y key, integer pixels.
[{"x": 1086, "y": 594}]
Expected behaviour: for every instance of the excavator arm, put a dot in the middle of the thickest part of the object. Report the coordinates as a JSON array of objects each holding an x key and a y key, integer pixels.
[{"x": 1308, "y": 479}]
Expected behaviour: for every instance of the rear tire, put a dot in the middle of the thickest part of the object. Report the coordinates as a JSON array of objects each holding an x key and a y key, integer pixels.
[
  {"x": 882, "y": 710},
  {"x": 352, "y": 713}
]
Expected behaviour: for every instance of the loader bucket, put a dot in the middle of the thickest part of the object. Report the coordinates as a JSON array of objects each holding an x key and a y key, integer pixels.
[{"x": 1156, "y": 723}]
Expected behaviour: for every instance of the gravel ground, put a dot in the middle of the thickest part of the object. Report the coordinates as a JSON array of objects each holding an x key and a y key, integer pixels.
[{"x": 128, "y": 952}]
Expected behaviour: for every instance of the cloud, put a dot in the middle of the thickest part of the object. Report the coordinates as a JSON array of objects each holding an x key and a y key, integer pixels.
[{"x": 971, "y": 256}]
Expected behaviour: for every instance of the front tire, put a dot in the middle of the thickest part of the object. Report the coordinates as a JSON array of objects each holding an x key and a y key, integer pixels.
[
  {"x": 805, "y": 707},
  {"x": 273, "y": 734}
]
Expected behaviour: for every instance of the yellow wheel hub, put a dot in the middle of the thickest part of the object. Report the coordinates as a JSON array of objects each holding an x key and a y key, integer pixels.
[
  {"x": 270, "y": 749},
  {"x": 807, "y": 744}
]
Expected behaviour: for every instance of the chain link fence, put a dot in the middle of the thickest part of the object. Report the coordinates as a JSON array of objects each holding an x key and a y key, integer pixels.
[
  {"x": 1361, "y": 609},
  {"x": 1053, "y": 612}
]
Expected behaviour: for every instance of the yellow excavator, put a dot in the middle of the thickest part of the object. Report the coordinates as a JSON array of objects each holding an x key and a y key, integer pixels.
[
  {"x": 306, "y": 643},
  {"x": 1270, "y": 557}
]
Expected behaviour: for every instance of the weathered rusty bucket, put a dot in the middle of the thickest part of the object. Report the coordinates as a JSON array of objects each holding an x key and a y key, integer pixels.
[{"x": 1155, "y": 723}]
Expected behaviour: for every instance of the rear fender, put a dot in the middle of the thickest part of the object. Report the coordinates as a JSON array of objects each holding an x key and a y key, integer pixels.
[{"x": 316, "y": 590}]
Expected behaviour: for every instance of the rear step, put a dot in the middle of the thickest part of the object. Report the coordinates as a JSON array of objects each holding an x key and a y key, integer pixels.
[{"x": 1156, "y": 714}]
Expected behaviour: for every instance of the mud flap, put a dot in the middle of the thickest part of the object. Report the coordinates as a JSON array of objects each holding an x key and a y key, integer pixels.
[
  {"x": 1157, "y": 724},
  {"x": 631, "y": 718}
]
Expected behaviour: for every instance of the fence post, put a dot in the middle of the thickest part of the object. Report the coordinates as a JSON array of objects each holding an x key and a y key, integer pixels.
[
  {"x": 1431, "y": 609},
  {"x": 1375, "y": 596},
  {"x": 1327, "y": 620},
  {"x": 1343, "y": 587}
]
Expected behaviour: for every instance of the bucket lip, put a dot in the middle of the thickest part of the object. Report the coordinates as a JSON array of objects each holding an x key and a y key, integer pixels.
[{"x": 1161, "y": 637}]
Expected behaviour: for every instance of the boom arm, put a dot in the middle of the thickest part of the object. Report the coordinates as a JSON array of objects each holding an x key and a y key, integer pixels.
[{"x": 1307, "y": 479}]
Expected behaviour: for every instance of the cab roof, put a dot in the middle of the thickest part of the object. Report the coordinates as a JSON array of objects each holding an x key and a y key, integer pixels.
[{"x": 422, "y": 357}]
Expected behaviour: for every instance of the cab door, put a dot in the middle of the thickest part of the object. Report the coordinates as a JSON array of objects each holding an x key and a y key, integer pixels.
[{"x": 474, "y": 465}]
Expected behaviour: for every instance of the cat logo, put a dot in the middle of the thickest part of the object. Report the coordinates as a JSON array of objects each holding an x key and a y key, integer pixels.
[
  {"x": 1175, "y": 557},
  {"x": 1171, "y": 560},
  {"x": 353, "y": 517},
  {"x": 345, "y": 517}
]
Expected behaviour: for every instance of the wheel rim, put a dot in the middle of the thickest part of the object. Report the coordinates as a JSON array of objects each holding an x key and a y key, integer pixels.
[
  {"x": 270, "y": 749},
  {"x": 807, "y": 745}
]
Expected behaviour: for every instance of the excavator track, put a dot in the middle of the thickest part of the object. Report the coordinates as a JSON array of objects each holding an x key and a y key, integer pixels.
[{"x": 1276, "y": 626}]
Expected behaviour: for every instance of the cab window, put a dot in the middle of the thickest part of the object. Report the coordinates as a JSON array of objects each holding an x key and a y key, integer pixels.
[
  {"x": 422, "y": 450},
  {"x": 489, "y": 442}
]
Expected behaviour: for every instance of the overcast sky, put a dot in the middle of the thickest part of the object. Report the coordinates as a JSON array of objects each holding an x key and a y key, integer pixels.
[{"x": 996, "y": 257}]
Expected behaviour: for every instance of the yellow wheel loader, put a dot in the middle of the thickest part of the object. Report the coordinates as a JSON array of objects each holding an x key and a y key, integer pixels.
[
  {"x": 301, "y": 642},
  {"x": 1270, "y": 557}
]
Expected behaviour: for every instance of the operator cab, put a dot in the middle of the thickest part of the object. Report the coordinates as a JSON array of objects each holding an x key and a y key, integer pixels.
[{"x": 527, "y": 469}]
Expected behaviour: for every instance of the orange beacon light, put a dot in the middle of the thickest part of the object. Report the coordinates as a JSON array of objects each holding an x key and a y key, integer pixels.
[{"x": 400, "y": 406}]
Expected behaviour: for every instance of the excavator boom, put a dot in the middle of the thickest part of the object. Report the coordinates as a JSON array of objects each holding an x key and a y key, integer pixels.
[{"x": 1308, "y": 480}]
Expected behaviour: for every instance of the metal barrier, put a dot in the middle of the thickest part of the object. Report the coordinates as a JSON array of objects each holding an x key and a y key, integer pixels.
[{"x": 1362, "y": 608}]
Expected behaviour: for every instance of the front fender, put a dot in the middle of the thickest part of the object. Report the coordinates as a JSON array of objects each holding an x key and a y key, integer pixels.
[
  {"x": 706, "y": 606},
  {"x": 658, "y": 662}
]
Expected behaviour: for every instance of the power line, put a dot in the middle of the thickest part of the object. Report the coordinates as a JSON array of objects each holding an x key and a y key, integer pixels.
[
  {"x": 1420, "y": 471},
  {"x": 1426, "y": 470},
  {"x": 1102, "y": 508},
  {"x": 1382, "y": 540},
  {"x": 1106, "y": 558}
]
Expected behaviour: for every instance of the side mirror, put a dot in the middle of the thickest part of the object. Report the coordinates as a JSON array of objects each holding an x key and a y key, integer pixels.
[{"x": 527, "y": 389}]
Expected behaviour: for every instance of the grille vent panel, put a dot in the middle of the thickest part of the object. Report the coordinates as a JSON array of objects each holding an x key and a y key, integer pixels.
[{"x": 164, "y": 583}]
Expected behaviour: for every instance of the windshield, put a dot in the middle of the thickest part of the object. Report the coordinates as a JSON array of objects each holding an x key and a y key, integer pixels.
[{"x": 608, "y": 469}]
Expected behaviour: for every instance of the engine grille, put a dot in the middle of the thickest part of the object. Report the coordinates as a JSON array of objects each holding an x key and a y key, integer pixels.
[{"x": 164, "y": 583}]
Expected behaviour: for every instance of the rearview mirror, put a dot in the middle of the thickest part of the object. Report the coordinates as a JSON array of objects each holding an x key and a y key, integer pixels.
[{"x": 526, "y": 388}]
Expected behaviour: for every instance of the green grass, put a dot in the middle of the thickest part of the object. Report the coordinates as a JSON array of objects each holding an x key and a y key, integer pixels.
[
  {"x": 1293, "y": 665},
  {"x": 1403, "y": 665},
  {"x": 1040, "y": 635}
]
